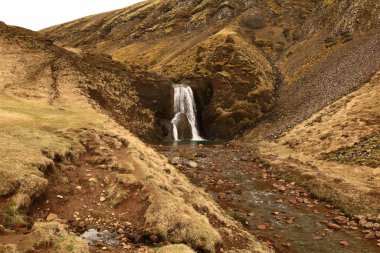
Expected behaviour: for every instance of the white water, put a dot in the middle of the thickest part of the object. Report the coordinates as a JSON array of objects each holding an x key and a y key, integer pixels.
[{"x": 184, "y": 103}]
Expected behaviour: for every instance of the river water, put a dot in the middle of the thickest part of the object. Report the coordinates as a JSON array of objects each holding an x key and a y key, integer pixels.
[
  {"x": 184, "y": 104},
  {"x": 248, "y": 192}
]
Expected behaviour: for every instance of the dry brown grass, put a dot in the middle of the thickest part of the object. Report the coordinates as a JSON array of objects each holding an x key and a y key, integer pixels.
[
  {"x": 50, "y": 237},
  {"x": 174, "y": 249},
  {"x": 28, "y": 129}
]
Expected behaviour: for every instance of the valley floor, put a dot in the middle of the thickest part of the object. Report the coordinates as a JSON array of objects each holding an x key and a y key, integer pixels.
[
  {"x": 66, "y": 170},
  {"x": 73, "y": 171}
]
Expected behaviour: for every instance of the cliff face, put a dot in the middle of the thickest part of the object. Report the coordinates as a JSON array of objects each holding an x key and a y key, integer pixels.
[
  {"x": 223, "y": 49},
  {"x": 336, "y": 52},
  {"x": 241, "y": 56}
]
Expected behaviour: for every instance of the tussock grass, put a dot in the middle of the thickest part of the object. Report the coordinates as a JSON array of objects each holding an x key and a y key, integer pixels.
[
  {"x": 55, "y": 235},
  {"x": 178, "y": 222},
  {"x": 175, "y": 248}
]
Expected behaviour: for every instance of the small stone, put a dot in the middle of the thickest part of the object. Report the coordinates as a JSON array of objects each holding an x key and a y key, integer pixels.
[
  {"x": 340, "y": 219},
  {"x": 333, "y": 226},
  {"x": 370, "y": 236},
  {"x": 51, "y": 217},
  {"x": 377, "y": 233},
  {"x": 79, "y": 187},
  {"x": 244, "y": 158},
  {"x": 290, "y": 221},
  {"x": 369, "y": 225},
  {"x": 251, "y": 214},
  {"x": 262, "y": 226},
  {"x": 359, "y": 217},
  {"x": 175, "y": 160},
  {"x": 318, "y": 237},
  {"x": 102, "y": 199},
  {"x": 362, "y": 222},
  {"x": 60, "y": 196},
  {"x": 222, "y": 195},
  {"x": 344, "y": 243},
  {"x": 219, "y": 182},
  {"x": 192, "y": 164},
  {"x": 92, "y": 180}
]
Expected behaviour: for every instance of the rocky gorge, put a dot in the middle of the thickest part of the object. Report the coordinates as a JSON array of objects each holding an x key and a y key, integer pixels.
[{"x": 193, "y": 126}]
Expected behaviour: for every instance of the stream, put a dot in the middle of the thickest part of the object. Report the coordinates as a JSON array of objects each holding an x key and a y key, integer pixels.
[{"x": 277, "y": 212}]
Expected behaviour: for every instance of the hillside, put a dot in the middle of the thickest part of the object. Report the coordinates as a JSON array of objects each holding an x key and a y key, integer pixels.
[
  {"x": 335, "y": 153},
  {"x": 244, "y": 59},
  {"x": 68, "y": 164},
  {"x": 219, "y": 48}
]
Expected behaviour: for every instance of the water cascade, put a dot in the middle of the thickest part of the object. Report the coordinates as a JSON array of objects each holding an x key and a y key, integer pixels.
[{"x": 185, "y": 110}]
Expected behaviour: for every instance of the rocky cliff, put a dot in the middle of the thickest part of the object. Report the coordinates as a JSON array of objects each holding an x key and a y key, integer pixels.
[{"x": 224, "y": 49}]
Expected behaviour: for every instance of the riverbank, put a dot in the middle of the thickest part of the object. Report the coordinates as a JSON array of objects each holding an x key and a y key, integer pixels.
[
  {"x": 335, "y": 154},
  {"x": 73, "y": 169},
  {"x": 277, "y": 211}
]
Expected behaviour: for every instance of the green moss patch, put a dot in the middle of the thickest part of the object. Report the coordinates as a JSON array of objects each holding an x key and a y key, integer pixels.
[{"x": 365, "y": 152}]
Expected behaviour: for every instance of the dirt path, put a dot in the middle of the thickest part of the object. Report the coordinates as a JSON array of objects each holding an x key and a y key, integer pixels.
[{"x": 278, "y": 212}]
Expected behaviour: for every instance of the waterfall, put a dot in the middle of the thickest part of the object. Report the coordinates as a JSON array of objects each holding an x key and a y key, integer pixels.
[{"x": 184, "y": 104}]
